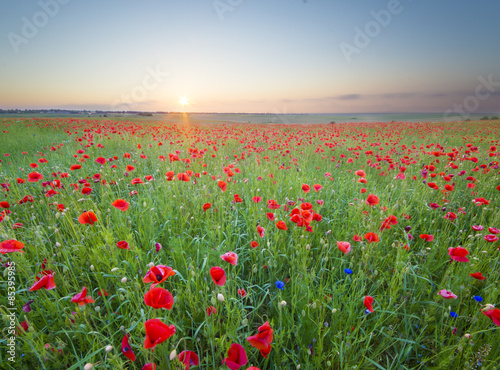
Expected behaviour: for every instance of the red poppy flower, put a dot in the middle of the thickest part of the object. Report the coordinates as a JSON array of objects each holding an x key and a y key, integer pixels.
[
  {"x": 270, "y": 216},
  {"x": 306, "y": 206},
  {"x": 237, "y": 199},
  {"x": 86, "y": 190},
  {"x": 261, "y": 231},
  {"x": 344, "y": 247},
  {"x": 121, "y": 204},
  {"x": 218, "y": 275},
  {"x": 159, "y": 298},
  {"x": 494, "y": 315},
  {"x": 491, "y": 238},
  {"x": 81, "y": 298},
  {"x": 236, "y": 357},
  {"x": 158, "y": 274},
  {"x": 281, "y": 225},
  {"x": 426, "y": 237},
  {"x": 87, "y": 218},
  {"x": 257, "y": 199},
  {"x": 4, "y": 204},
  {"x": 372, "y": 237},
  {"x": 35, "y": 177},
  {"x": 136, "y": 181},
  {"x": 272, "y": 204},
  {"x": 478, "y": 276},
  {"x": 368, "y": 303},
  {"x": 149, "y": 366},
  {"x": 60, "y": 207},
  {"x": 357, "y": 238},
  {"x": 102, "y": 292},
  {"x": 188, "y": 358},
  {"x": 372, "y": 200},
  {"x": 230, "y": 257},
  {"x": 458, "y": 254},
  {"x": 263, "y": 339},
  {"x": 130, "y": 168},
  {"x": 306, "y": 188},
  {"x": 222, "y": 185},
  {"x": 207, "y": 206},
  {"x": 21, "y": 181},
  {"x": 11, "y": 245},
  {"x": 317, "y": 187},
  {"x": 494, "y": 230},
  {"x": 481, "y": 201},
  {"x": 46, "y": 281},
  {"x": 157, "y": 332},
  {"x": 17, "y": 225},
  {"x": 122, "y": 244},
  {"x": 211, "y": 310},
  {"x": 242, "y": 293},
  {"x": 75, "y": 167},
  {"x": 126, "y": 349},
  {"x": 254, "y": 244}
]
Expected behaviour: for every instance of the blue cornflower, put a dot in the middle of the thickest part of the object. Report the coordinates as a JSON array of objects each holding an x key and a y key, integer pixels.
[
  {"x": 348, "y": 271},
  {"x": 478, "y": 298},
  {"x": 280, "y": 285},
  {"x": 453, "y": 314}
]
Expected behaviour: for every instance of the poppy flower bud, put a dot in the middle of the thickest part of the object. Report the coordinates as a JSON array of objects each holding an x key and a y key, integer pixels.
[
  {"x": 114, "y": 269},
  {"x": 488, "y": 307},
  {"x": 467, "y": 335},
  {"x": 91, "y": 267},
  {"x": 158, "y": 247},
  {"x": 334, "y": 310},
  {"x": 124, "y": 280},
  {"x": 172, "y": 355},
  {"x": 283, "y": 303},
  {"x": 220, "y": 297},
  {"x": 88, "y": 366},
  {"x": 109, "y": 348},
  {"x": 58, "y": 245}
]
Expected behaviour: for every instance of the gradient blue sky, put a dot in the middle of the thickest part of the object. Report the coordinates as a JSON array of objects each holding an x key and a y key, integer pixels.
[{"x": 276, "y": 56}]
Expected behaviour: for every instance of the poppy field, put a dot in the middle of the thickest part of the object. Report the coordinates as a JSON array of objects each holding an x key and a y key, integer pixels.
[{"x": 152, "y": 245}]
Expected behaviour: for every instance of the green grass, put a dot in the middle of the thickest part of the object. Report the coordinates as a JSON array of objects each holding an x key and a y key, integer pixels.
[{"x": 323, "y": 324}]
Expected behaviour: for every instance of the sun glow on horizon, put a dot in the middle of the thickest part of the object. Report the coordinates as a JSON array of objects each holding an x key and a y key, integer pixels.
[{"x": 183, "y": 100}]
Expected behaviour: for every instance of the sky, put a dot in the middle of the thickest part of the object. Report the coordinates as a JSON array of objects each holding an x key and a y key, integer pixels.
[{"x": 256, "y": 56}]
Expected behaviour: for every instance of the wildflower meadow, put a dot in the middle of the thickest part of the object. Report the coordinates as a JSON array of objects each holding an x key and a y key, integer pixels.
[{"x": 142, "y": 244}]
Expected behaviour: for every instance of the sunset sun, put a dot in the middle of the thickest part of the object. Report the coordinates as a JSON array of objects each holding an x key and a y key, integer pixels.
[{"x": 183, "y": 100}]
